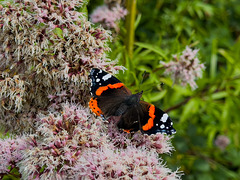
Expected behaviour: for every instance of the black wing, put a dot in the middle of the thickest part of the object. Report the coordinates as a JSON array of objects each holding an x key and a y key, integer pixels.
[
  {"x": 130, "y": 120},
  {"x": 147, "y": 118},
  {"x": 157, "y": 121},
  {"x": 109, "y": 93}
]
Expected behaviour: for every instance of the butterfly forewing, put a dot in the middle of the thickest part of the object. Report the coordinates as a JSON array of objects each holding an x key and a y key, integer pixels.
[
  {"x": 101, "y": 78},
  {"x": 108, "y": 92}
]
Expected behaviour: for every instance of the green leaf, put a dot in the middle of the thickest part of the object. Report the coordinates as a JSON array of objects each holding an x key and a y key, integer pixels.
[
  {"x": 205, "y": 176},
  {"x": 189, "y": 109},
  {"x": 10, "y": 177},
  {"x": 58, "y": 32},
  {"x": 213, "y": 64},
  {"x": 144, "y": 68},
  {"x": 219, "y": 95},
  {"x": 212, "y": 130},
  {"x": 153, "y": 48},
  {"x": 201, "y": 165},
  {"x": 225, "y": 54},
  {"x": 156, "y": 96},
  {"x": 137, "y": 21}
]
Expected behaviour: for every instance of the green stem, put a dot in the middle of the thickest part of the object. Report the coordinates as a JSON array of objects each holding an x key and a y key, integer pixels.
[{"x": 130, "y": 29}]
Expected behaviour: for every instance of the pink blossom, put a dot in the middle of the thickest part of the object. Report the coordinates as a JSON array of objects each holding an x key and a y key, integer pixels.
[
  {"x": 11, "y": 152},
  {"x": 186, "y": 69},
  {"x": 130, "y": 163},
  {"x": 222, "y": 141},
  {"x": 61, "y": 139},
  {"x": 108, "y": 17},
  {"x": 73, "y": 144}
]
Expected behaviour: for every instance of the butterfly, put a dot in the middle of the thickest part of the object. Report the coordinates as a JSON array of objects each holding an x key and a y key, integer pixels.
[{"x": 110, "y": 97}]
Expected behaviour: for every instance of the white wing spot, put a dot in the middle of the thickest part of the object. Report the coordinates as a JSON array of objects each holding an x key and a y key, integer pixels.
[
  {"x": 164, "y": 118},
  {"x": 162, "y": 126},
  {"x": 106, "y": 77},
  {"x": 100, "y": 71},
  {"x": 97, "y": 80},
  {"x": 156, "y": 124}
]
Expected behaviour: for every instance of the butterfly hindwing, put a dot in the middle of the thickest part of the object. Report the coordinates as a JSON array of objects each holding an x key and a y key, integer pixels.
[
  {"x": 156, "y": 121},
  {"x": 147, "y": 118},
  {"x": 129, "y": 121}
]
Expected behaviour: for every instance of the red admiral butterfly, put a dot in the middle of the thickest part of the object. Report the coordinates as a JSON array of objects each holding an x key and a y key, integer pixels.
[{"x": 112, "y": 98}]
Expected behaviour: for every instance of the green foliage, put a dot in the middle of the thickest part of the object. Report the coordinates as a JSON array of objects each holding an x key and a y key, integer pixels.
[
  {"x": 164, "y": 28},
  {"x": 13, "y": 175}
]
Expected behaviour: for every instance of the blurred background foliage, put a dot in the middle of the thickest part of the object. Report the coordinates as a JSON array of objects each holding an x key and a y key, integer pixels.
[{"x": 163, "y": 28}]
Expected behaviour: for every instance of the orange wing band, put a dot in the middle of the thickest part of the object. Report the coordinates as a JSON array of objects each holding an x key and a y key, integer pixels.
[
  {"x": 150, "y": 122},
  {"x": 94, "y": 107},
  {"x": 127, "y": 130},
  {"x": 111, "y": 86}
]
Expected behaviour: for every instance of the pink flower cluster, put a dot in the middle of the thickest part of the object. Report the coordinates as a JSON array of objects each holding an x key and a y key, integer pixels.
[
  {"x": 108, "y": 17},
  {"x": 47, "y": 49},
  {"x": 185, "y": 69},
  {"x": 61, "y": 138},
  {"x": 10, "y": 153},
  {"x": 129, "y": 163},
  {"x": 73, "y": 144},
  {"x": 222, "y": 142}
]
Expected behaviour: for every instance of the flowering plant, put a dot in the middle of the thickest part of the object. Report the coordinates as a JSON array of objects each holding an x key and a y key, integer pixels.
[
  {"x": 186, "y": 69},
  {"x": 47, "y": 49}
]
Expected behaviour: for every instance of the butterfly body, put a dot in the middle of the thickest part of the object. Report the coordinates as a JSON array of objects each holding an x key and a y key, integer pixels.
[{"x": 112, "y": 98}]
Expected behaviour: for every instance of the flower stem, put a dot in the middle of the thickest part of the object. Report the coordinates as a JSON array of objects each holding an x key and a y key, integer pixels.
[{"x": 130, "y": 29}]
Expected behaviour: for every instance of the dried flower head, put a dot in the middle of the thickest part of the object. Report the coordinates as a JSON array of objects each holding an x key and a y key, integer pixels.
[
  {"x": 108, "y": 16},
  {"x": 186, "y": 69},
  {"x": 47, "y": 49}
]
